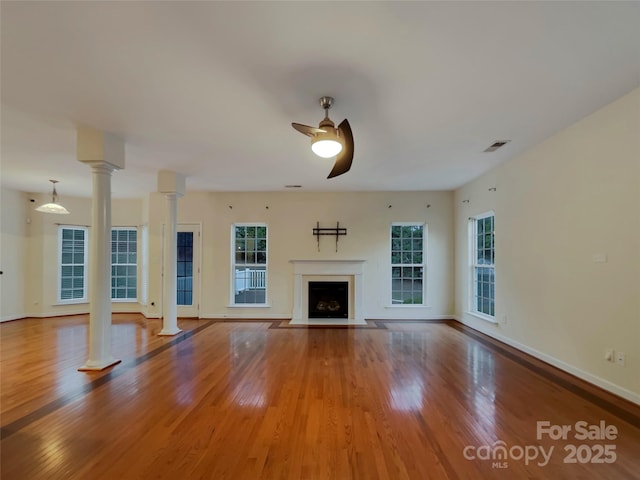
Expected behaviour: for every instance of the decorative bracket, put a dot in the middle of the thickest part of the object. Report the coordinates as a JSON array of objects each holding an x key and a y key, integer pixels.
[{"x": 337, "y": 232}]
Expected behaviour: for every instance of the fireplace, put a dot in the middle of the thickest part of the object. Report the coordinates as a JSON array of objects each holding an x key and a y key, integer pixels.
[
  {"x": 348, "y": 273},
  {"x": 328, "y": 299}
]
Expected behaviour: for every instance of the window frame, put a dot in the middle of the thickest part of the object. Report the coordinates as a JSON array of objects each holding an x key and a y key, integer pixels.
[
  {"x": 423, "y": 265},
  {"x": 143, "y": 270},
  {"x": 137, "y": 236},
  {"x": 232, "y": 283},
  {"x": 474, "y": 264},
  {"x": 85, "y": 265}
]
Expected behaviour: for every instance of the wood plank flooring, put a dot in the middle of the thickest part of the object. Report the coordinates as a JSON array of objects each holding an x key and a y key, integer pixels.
[{"x": 263, "y": 400}]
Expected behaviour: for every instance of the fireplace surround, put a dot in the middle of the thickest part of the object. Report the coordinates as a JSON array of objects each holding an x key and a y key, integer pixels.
[{"x": 348, "y": 271}]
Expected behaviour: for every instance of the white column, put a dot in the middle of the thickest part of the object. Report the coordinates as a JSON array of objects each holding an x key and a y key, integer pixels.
[
  {"x": 170, "y": 308},
  {"x": 100, "y": 271},
  {"x": 172, "y": 185},
  {"x": 104, "y": 153}
]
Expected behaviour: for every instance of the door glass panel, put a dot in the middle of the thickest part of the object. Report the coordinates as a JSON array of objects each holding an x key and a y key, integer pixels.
[{"x": 185, "y": 268}]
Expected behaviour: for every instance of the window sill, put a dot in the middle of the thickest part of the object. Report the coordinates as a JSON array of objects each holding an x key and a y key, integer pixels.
[
  {"x": 71, "y": 302},
  {"x": 249, "y": 305},
  {"x": 409, "y": 305},
  {"x": 124, "y": 300},
  {"x": 482, "y": 316}
]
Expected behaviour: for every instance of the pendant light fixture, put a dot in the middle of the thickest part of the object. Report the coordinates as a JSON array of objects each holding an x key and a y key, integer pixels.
[{"x": 54, "y": 206}]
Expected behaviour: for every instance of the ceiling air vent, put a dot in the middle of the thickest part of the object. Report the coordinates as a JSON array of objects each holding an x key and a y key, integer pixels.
[{"x": 497, "y": 145}]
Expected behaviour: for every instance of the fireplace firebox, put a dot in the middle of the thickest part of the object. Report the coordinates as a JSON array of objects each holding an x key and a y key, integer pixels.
[{"x": 328, "y": 299}]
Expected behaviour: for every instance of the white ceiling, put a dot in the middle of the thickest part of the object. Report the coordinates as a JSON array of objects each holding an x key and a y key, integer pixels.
[{"x": 209, "y": 89}]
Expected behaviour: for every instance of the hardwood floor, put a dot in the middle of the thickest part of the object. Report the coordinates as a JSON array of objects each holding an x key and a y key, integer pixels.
[{"x": 261, "y": 399}]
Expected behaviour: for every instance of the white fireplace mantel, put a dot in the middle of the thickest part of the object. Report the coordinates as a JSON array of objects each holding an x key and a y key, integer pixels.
[{"x": 349, "y": 271}]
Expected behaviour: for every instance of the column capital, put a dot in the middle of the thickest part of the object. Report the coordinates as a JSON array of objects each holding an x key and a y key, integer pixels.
[
  {"x": 101, "y": 167},
  {"x": 97, "y": 147}
]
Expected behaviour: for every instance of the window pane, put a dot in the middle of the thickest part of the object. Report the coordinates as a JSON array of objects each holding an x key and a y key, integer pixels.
[
  {"x": 124, "y": 261},
  {"x": 483, "y": 278},
  {"x": 406, "y": 251},
  {"x": 250, "y": 251},
  {"x": 250, "y": 285},
  {"x": 72, "y": 258},
  {"x": 184, "y": 287}
]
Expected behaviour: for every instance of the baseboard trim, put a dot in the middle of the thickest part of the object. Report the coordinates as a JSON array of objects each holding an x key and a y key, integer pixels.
[
  {"x": 559, "y": 364},
  {"x": 9, "y": 318}
]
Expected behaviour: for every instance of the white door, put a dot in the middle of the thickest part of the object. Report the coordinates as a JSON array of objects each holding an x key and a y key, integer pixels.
[{"x": 188, "y": 270}]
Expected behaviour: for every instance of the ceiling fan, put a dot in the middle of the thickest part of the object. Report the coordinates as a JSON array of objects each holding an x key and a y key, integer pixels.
[{"x": 328, "y": 141}]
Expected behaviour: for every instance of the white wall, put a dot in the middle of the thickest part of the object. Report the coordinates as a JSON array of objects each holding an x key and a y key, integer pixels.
[
  {"x": 42, "y": 259},
  {"x": 291, "y": 217},
  {"x": 13, "y": 248},
  {"x": 574, "y": 196}
]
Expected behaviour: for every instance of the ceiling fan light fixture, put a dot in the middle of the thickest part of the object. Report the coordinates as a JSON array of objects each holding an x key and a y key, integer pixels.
[
  {"x": 326, "y": 148},
  {"x": 54, "y": 206},
  {"x": 328, "y": 141}
]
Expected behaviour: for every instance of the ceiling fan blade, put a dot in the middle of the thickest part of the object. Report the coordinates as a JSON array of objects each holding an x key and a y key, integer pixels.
[
  {"x": 344, "y": 159},
  {"x": 307, "y": 130}
]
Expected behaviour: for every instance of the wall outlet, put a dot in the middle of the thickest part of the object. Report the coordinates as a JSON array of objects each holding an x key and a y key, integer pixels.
[
  {"x": 608, "y": 355},
  {"x": 620, "y": 358}
]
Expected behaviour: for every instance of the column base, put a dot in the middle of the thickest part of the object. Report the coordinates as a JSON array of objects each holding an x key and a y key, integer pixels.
[
  {"x": 168, "y": 332},
  {"x": 97, "y": 365}
]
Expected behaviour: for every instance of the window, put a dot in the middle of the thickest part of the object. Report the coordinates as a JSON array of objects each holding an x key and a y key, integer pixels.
[
  {"x": 124, "y": 264},
  {"x": 184, "y": 272},
  {"x": 249, "y": 264},
  {"x": 73, "y": 256},
  {"x": 408, "y": 263},
  {"x": 482, "y": 243}
]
